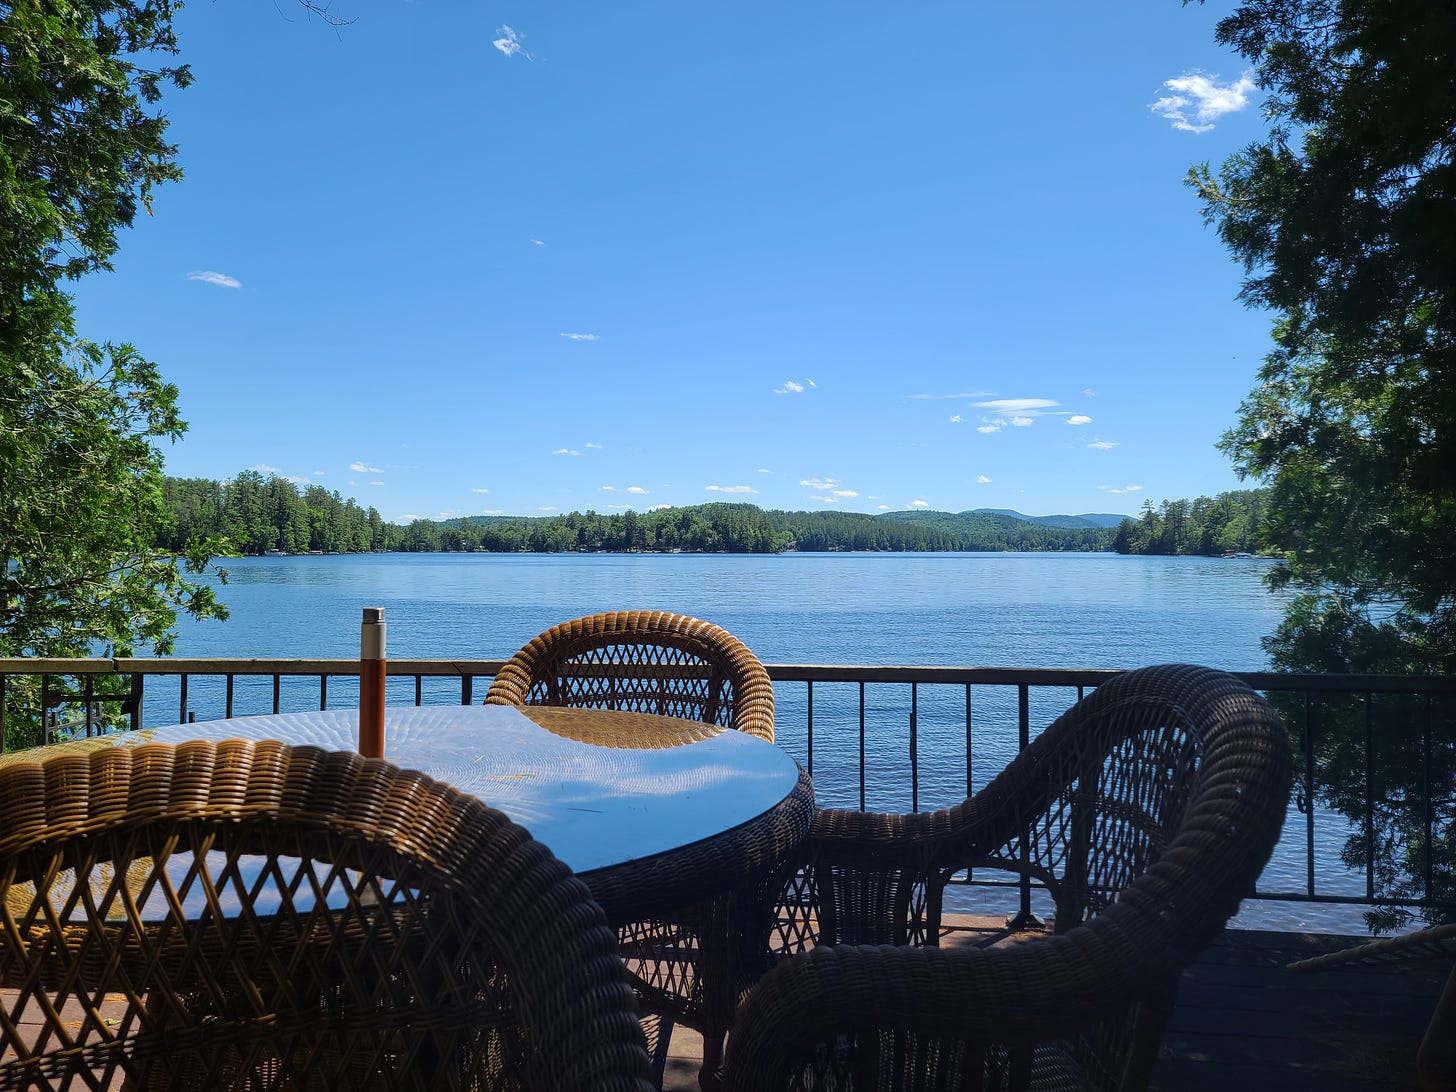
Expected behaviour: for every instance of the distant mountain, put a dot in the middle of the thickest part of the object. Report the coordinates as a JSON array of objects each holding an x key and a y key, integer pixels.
[{"x": 1087, "y": 519}]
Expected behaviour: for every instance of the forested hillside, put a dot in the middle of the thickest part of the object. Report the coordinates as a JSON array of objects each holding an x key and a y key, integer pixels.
[
  {"x": 258, "y": 515},
  {"x": 1229, "y": 523}
]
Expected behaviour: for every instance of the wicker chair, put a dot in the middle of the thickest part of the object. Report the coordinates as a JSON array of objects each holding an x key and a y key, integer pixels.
[
  {"x": 247, "y": 915},
  {"x": 646, "y": 661},
  {"x": 675, "y": 666},
  {"x": 1147, "y": 810}
]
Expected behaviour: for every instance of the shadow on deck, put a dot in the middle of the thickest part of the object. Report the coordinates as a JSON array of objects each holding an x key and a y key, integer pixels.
[{"x": 1244, "y": 1022}]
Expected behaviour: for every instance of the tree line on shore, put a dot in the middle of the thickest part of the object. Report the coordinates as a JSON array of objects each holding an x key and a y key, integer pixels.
[
  {"x": 1230, "y": 523},
  {"x": 253, "y": 515}
]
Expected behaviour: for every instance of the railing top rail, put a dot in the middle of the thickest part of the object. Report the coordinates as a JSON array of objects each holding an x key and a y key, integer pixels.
[{"x": 889, "y": 673}]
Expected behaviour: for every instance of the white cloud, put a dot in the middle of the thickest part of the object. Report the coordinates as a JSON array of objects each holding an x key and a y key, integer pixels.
[
  {"x": 826, "y": 500},
  {"x": 790, "y": 387},
  {"x": 819, "y": 483},
  {"x": 883, "y": 507},
  {"x": 918, "y": 504},
  {"x": 1102, "y": 445},
  {"x": 546, "y": 508},
  {"x": 376, "y": 483},
  {"x": 609, "y": 489},
  {"x": 1023, "y": 422},
  {"x": 1021, "y": 406},
  {"x": 596, "y": 446},
  {"x": 1124, "y": 489},
  {"x": 637, "y": 490},
  {"x": 509, "y": 43},
  {"x": 730, "y": 489},
  {"x": 492, "y": 511},
  {"x": 207, "y": 276},
  {"x": 264, "y": 468},
  {"x": 410, "y": 516},
  {"x": 659, "y": 508},
  {"x": 761, "y": 470},
  {"x": 983, "y": 480},
  {"x": 565, "y": 451},
  {"x": 955, "y": 418},
  {"x": 478, "y": 489},
  {"x": 581, "y": 337},
  {"x": 845, "y": 493},
  {"x": 1088, "y": 392},
  {"x": 362, "y": 468},
  {"x": 988, "y": 429},
  {"x": 1079, "y": 419},
  {"x": 1198, "y": 99},
  {"x": 318, "y": 473},
  {"x": 538, "y": 242}
]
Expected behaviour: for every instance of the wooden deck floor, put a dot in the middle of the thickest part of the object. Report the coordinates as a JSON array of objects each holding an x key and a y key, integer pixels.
[{"x": 1244, "y": 1023}]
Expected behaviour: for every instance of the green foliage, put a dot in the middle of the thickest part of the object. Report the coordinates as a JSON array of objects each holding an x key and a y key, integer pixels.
[
  {"x": 81, "y": 149},
  {"x": 1343, "y": 218},
  {"x": 1230, "y": 523}
]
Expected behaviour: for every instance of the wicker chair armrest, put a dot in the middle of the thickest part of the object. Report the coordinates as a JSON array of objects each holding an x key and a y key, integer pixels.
[{"x": 979, "y": 998}]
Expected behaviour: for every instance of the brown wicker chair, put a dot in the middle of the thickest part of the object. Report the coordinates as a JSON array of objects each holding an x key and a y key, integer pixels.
[
  {"x": 247, "y": 915},
  {"x": 676, "y": 666},
  {"x": 1147, "y": 810},
  {"x": 645, "y": 661}
]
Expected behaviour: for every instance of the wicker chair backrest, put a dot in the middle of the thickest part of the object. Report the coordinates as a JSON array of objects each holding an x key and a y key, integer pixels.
[
  {"x": 642, "y": 661},
  {"x": 254, "y": 916}
]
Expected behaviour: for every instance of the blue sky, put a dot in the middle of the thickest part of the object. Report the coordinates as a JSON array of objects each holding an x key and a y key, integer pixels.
[{"x": 522, "y": 258}]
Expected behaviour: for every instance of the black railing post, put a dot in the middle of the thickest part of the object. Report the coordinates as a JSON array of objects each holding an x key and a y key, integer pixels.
[
  {"x": 861, "y": 745},
  {"x": 809, "y": 732},
  {"x": 467, "y": 689},
  {"x": 1024, "y": 918},
  {"x": 1308, "y": 744},
  {"x": 914, "y": 747}
]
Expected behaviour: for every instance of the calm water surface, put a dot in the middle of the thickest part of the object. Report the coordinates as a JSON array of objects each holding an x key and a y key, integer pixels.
[{"x": 997, "y": 610}]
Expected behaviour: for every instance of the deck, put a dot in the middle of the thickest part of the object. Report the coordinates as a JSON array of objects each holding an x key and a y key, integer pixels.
[{"x": 1243, "y": 1022}]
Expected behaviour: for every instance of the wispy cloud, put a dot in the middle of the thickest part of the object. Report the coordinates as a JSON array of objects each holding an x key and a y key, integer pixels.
[
  {"x": 1022, "y": 407},
  {"x": 582, "y": 337},
  {"x": 989, "y": 428},
  {"x": 730, "y": 489},
  {"x": 364, "y": 468},
  {"x": 637, "y": 490},
  {"x": 492, "y": 511},
  {"x": 1023, "y": 422},
  {"x": 264, "y": 468},
  {"x": 882, "y": 507},
  {"x": 829, "y": 499},
  {"x": 609, "y": 489},
  {"x": 819, "y": 483},
  {"x": 318, "y": 473},
  {"x": 598, "y": 447},
  {"x": 1198, "y": 100},
  {"x": 918, "y": 504},
  {"x": 509, "y": 43},
  {"x": 565, "y": 451},
  {"x": 479, "y": 489},
  {"x": 1124, "y": 489},
  {"x": 790, "y": 387},
  {"x": 546, "y": 508},
  {"x": 207, "y": 276},
  {"x": 846, "y": 493},
  {"x": 376, "y": 483},
  {"x": 982, "y": 479},
  {"x": 1102, "y": 445},
  {"x": 955, "y": 418},
  {"x": 1079, "y": 419},
  {"x": 761, "y": 470},
  {"x": 538, "y": 242},
  {"x": 659, "y": 508},
  {"x": 1088, "y": 392}
]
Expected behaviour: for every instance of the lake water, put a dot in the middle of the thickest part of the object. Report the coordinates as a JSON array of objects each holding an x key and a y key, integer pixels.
[{"x": 996, "y": 610}]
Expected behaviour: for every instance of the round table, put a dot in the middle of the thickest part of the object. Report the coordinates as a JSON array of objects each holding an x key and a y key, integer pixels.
[{"x": 652, "y": 812}]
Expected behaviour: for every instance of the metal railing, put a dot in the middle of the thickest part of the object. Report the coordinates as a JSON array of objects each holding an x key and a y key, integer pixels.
[{"x": 896, "y": 738}]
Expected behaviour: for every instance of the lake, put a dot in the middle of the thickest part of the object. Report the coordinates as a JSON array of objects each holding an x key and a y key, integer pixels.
[{"x": 995, "y": 610}]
